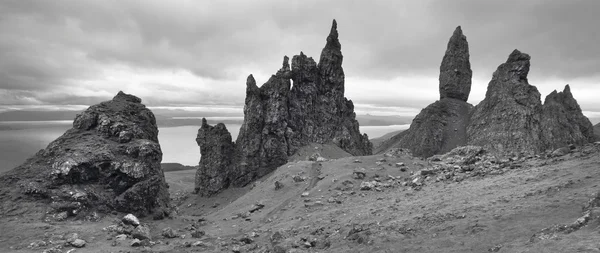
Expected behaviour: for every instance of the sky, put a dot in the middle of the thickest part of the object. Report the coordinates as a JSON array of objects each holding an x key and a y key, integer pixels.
[{"x": 196, "y": 54}]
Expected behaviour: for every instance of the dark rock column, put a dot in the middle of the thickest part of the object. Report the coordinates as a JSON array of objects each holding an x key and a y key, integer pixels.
[
  {"x": 455, "y": 70},
  {"x": 216, "y": 169}
]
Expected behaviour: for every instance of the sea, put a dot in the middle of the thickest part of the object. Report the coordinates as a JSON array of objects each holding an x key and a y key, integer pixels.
[{"x": 20, "y": 140}]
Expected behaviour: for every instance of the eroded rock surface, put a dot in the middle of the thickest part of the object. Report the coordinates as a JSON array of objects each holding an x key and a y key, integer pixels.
[
  {"x": 563, "y": 123},
  {"x": 109, "y": 160},
  {"x": 512, "y": 118},
  {"x": 509, "y": 117},
  {"x": 279, "y": 119},
  {"x": 441, "y": 126},
  {"x": 455, "y": 70},
  {"x": 216, "y": 150}
]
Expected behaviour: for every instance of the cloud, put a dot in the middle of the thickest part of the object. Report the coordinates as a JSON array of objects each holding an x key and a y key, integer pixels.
[{"x": 199, "y": 52}]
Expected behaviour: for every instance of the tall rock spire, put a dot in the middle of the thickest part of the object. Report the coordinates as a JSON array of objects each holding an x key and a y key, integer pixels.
[
  {"x": 330, "y": 64},
  {"x": 455, "y": 70}
]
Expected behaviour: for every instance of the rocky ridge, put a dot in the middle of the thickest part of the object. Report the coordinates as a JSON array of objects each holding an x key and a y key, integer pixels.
[
  {"x": 279, "y": 119},
  {"x": 511, "y": 118},
  {"x": 109, "y": 161}
]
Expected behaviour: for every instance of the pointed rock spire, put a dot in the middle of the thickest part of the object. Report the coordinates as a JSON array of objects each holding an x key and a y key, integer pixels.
[
  {"x": 332, "y": 39},
  {"x": 330, "y": 62},
  {"x": 251, "y": 87},
  {"x": 455, "y": 70}
]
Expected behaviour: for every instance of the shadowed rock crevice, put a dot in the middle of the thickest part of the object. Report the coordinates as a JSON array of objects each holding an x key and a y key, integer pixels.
[
  {"x": 280, "y": 119},
  {"x": 109, "y": 160}
]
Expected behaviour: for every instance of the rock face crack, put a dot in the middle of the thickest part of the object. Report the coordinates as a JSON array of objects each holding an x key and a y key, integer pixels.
[{"x": 279, "y": 119}]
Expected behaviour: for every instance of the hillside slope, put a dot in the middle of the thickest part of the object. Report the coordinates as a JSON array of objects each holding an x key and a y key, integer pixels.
[{"x": 466, "y": 202}]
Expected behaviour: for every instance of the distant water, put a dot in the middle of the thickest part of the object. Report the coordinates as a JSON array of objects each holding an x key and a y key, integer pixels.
[{"x": 21, "y": 140}]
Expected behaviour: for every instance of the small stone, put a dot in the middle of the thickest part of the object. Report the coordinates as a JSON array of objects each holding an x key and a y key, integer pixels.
[
  {"x": 400, "y": 164},
  {"x": 357, "y": 161},
  {"x": 169, "y": 233},
  {"x": 61, "y": 216},
  {"x": 246, "y": 240},
  {"x": 198, "y": 233},
  {"x": 199, "y": 244},
  {"x": 121, "y": 237},
  {"x": 130, "y": 219},
  {"x": 278, "y": 185},
  {"x": 141, "y": 232},
  {"x": 305, "y": 194},
  {"x": 78, "y": 243},
  {"x": 560, "y": 152},
  {"x": 298, "y": 178},
  {"x": 358, "y": 174},
  {"x": 365, "y": 186},
  {"x": 321, "y": 159},
  {"x": 136, "y": 243}
]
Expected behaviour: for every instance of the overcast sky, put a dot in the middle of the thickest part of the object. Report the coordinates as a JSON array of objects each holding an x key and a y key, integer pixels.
[{"x": 197, "y": 53}]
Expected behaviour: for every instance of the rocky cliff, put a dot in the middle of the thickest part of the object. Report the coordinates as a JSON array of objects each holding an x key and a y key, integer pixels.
[
  {"x": 109, "y": 160},
  {"x": 511, "y": 118},
  {"x": 563, "y": 123},
  {"x": 279, "y": 119},
  {"x": 441, "y": 126}
]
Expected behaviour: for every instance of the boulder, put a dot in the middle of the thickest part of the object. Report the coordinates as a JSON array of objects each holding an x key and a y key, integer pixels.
[{"x": 109, "y": 161}]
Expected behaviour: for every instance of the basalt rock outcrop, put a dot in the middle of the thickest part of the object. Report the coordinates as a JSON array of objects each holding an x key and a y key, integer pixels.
[
  {"x": 511, "y": 118},
  {"x": 441, "y": 126},
  {"x": 279, "y": 119},
  {"x": 215, "y": 171},
  {"x": 455, "y": 70},
  {"x": 563, "y": 123},
  {"x": 109, "y": 160}
]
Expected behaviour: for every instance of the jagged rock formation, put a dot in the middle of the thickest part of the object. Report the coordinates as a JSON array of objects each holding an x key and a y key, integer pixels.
[
  {"x": 511, "y": 118},
  {"x": 109, "y": 160},
  {"x": 508, "y": 119},
  {"x": 217, "y": 147},
  {"x": 597, "y": 131},
  {"x": 455, "y": 70},
  {"x": 280, "y": 119},
  {"x": 441, "y": 126},
  {"x": 563, "y": 123}
]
